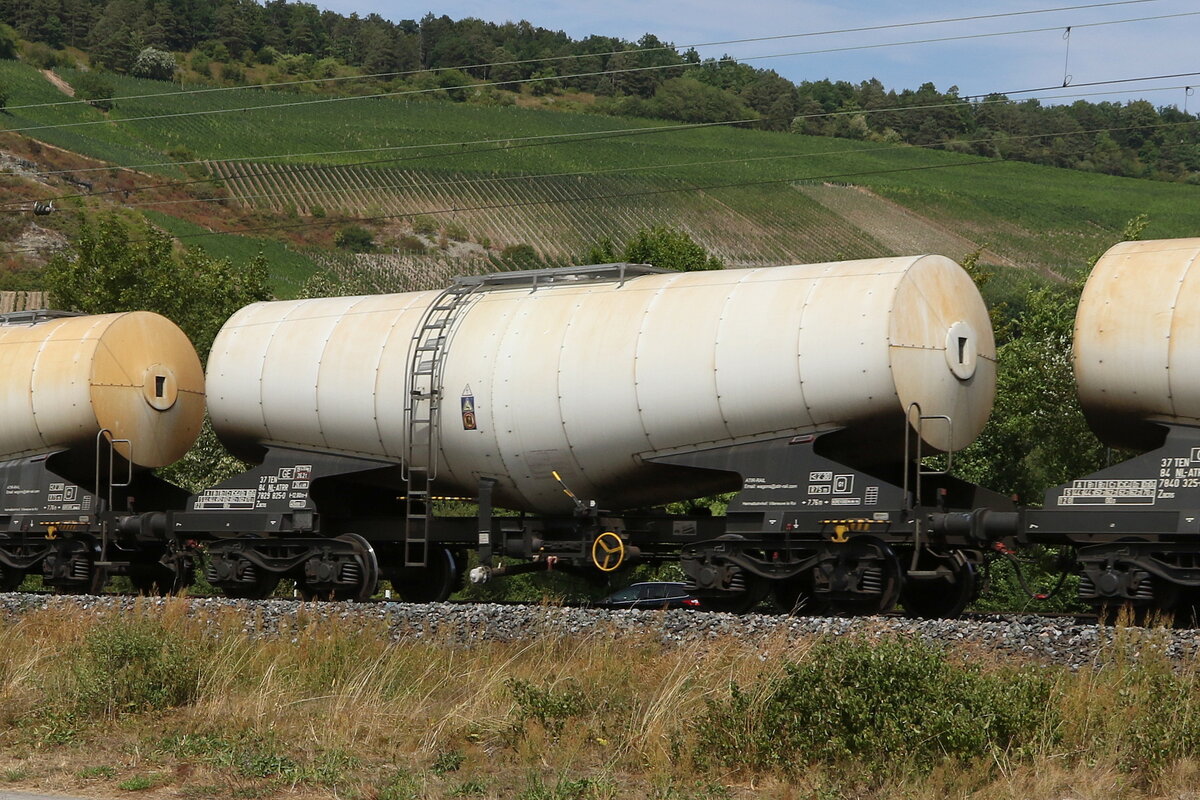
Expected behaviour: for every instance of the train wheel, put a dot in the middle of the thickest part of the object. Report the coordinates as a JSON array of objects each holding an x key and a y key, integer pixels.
[
  {"x": 368, "y": 572},
  {"x": 945, "y": 597},
  {"x": 1160, "y": 602},
  {"x": 429, "y": 584},
  {"x": 794, "y": 596},
  {"x": 82, "y": 576},
  {"x": 859, "y": 578},
  {"x": 255, "y": 584},
  {"x": 158, "y": 580},
  {"x": 755, "y": 589},
  {"x": 355, "y": 578},
  {"x": 1187, "y": 609},
  {"x": 10, "y": 578}
]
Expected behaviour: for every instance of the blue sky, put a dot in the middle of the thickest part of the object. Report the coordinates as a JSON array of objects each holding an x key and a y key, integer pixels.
[{"x": 1005, "y": 63}]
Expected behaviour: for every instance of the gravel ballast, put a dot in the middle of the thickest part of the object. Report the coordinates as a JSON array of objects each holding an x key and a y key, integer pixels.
[{"x": 1063, "y": 640}]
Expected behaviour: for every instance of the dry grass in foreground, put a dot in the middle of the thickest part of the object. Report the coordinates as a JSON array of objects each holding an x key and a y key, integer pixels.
[{"x": 161, "y": 704}]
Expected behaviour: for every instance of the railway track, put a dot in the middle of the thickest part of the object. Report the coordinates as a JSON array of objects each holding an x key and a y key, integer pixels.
[{"x": 1067, "y": 640}]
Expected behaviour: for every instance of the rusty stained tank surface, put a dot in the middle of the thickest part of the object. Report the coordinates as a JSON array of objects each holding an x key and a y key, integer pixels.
[
  {"x": 63, "y": 380},
  {"x": 592, "y": 379},
  {"x": 1137, "y": 335}
]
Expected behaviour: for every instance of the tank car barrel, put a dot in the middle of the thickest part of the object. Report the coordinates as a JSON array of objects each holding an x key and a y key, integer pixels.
[{"x": 592, "y": 376}]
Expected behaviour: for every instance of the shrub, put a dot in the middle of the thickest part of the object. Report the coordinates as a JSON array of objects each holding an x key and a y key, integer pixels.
[
  {"x": 43, "y": 56},
  {"x": 410, "y": 244},
  {"x": 455, "y": 231},
  {"x": 426, "y": 226},
  {"x": 456, "y": 84},
  {"x": 449, "y": 761},
  {"x": 8, "y": 42},
  {"x": 889, "y": 704},
  {"x": 215, "y": 49},
  {"x": 180, "y": 152},
  {"x": 135, "y": 665},
  {"x": 233, "y": 72},
  {"x": 325, "y": 68},
  {"x": 97, "y": 89},
  {"x": 669, "y": 248},
  {"x": 520, "y": 254},
  {"x": 200, "y": 62},
  {"x": 267, "y": 55},
  {"x": 356, "y": 239},
  {"x": 549, "y": 705}
]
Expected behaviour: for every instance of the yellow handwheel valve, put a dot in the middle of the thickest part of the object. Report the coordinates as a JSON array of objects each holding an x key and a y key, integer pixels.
[{"x": 608, "y": 552}]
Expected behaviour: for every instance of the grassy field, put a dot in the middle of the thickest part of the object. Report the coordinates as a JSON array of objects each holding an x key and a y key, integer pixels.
[
  {"x": 731, "y": 188},
  {"x": 289, "y": 269},
  {"x": 175, "y": 701},
  {"x": 27, "y": 86}
]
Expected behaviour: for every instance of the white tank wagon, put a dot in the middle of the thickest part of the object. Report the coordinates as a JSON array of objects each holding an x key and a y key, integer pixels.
[
  {"x": 64, "y": 379},
  {"x": 1132, "y": 525},
  {"x": 1137, "y": 333},
  {"x": 593, "y": 379}
]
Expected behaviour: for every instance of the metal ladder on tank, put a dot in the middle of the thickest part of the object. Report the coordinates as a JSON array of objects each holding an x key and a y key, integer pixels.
[
  {"x": 914, "y": 435},
  {"x": 106, "y": 482},
  {"x": 423, "y": 397},
  {"x": 423, "y": 400}
]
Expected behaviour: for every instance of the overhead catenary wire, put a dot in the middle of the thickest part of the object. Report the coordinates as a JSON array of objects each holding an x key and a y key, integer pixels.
[
  {"x": 594, "y": 73},
  {"x": 1110, "y": 82},
  {"x": 507, "y": 144},
  {"x": 634, "y": 51}
]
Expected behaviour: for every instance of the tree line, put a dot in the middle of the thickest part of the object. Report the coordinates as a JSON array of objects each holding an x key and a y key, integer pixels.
[{"x": 648, "y": 78}]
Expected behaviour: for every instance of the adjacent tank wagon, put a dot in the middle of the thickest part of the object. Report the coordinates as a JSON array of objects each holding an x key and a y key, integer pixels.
[
  {"x": 1134, "y": 525},
  {"x": 89, "y": 404}
]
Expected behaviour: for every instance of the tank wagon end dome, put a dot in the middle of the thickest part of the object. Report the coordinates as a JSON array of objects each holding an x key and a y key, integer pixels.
[
  {"x": 943, "y": 351},
  {"x": 134, "y": 374},
  {"x": 1137, "y": 332}
]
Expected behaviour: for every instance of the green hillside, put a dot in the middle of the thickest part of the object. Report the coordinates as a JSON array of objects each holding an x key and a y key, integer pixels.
[{"x": 753, "y": 197}]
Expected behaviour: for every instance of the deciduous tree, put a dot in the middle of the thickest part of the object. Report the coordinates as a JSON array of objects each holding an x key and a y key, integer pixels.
[{"x": 154, "y": 63}]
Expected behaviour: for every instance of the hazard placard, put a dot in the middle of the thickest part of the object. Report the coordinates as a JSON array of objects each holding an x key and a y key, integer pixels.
[{"x": 468, "y": 412}]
